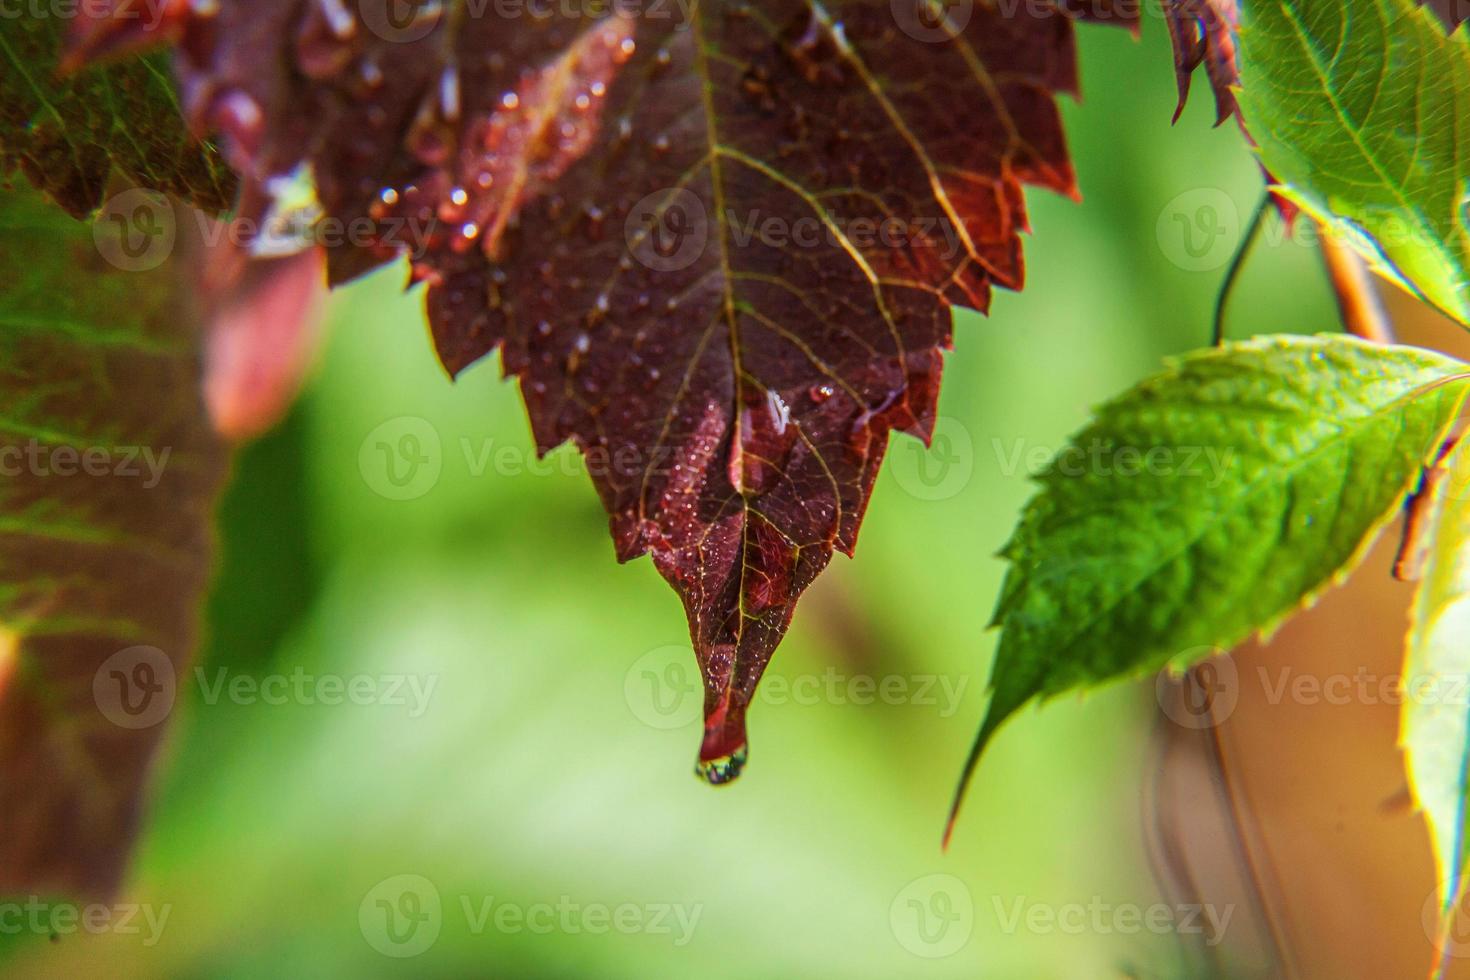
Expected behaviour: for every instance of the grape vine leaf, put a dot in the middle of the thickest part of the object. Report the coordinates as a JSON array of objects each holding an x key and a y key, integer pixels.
[
  {"x": 716, "y": 243},
  {"x": 1203, "y": 33},
  {"x": 1434, "y": 725},
  {"x": 1207, "y": 504},
  {"x": 71, "y": 135},
  {"x": 108, "y": 476},
  {"x": 1355, "y": 107}
]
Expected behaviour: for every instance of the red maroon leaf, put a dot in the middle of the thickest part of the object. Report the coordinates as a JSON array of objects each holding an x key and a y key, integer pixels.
[
  {"x": 261, "y": 335},
  {"x": 1203, "y": 33},
  {"x": 717, "y": 252}
]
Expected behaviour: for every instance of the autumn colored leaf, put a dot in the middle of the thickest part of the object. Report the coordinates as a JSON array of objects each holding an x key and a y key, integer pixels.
[
  {"x": 1203, "y": 34},
  {"x": 716, "y": 243},
  {"x": 108, "y": 476},
  {"x": 71, "y": 135},
  {"x": 262, "y": 327}
]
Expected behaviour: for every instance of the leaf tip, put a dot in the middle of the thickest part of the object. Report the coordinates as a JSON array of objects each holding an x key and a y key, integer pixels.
[
  {"x": 725, "y": 749},
  {"x": 995, "y": 716}
]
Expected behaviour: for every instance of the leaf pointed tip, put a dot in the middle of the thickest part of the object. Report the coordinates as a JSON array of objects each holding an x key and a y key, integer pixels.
[{"x": 994, "y": 716}]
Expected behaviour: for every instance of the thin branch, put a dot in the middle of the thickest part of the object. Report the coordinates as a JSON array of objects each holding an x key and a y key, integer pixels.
[
  {"x": 1237, "y": 263},
  {"x": 1358, "y": 299}
]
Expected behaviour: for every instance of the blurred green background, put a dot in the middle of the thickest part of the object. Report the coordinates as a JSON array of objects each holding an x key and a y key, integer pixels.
[{"x": 551, "y": 765}]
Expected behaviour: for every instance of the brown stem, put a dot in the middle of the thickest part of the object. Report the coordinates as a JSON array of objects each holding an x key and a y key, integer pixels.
[{"x": 1358, "y": 301}]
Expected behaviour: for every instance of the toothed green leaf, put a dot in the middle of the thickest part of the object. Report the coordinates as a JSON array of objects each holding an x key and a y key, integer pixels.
[
  {"x": 1358, "y": 107},
  {"x": 1209, "y": 503}
]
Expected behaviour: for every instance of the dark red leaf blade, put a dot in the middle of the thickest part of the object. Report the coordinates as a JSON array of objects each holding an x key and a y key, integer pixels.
[
  {"x": 717, "y": 252},
  {"x": 753, "y": 386}
]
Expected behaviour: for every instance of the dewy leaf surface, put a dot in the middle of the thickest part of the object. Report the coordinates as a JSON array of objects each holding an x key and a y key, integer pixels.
[
  {"x": 1435, "y": 721},
  {"x": 715, "y": 242},
  {"x": 1360, "y": 109},
  {"x": 108, "y": 475},
  {"x": 1207, "y": 504},
  {"x": 70, "y": 135}
]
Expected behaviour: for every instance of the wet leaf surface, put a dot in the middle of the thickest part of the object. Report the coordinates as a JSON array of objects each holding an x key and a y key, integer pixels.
[{"x": 715, "y": 243}]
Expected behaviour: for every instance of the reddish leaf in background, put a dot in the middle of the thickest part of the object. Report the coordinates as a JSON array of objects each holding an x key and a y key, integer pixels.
[
  {"x": 1203, "y": 33},
  {"x": 260, "y": 338},
  {"x": 716, "y": 243}
]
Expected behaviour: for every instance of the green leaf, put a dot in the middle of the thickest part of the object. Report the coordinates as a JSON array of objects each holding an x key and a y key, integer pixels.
[
  {"x": 70, "y": 136},
  {"x": 108, "y": 476},
  {"x": 1208, "y": 503},
  {"x": 1355, "y": 106},
  {"x": 1435, "y": 722}
]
